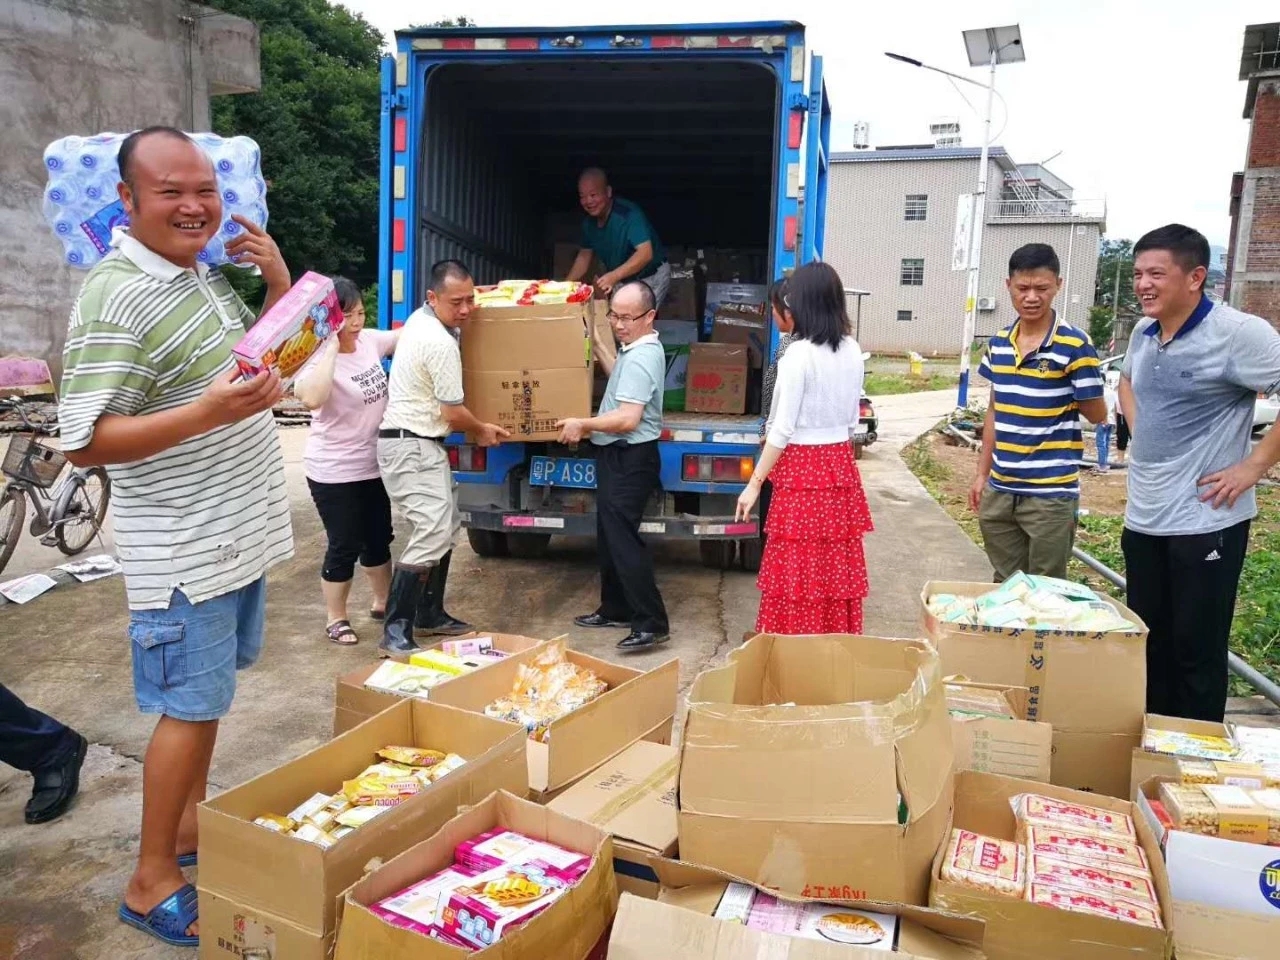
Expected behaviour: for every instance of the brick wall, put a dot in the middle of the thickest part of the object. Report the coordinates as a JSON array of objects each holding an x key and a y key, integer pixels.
[
  {"x": 1254, "y": 288},
  {"x": 1264, "y": 137},
  {"x": 1262, "y": 299}
]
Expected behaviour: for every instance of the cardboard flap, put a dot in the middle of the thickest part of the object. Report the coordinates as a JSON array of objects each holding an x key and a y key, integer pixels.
[{"x": 631, "y": 796}]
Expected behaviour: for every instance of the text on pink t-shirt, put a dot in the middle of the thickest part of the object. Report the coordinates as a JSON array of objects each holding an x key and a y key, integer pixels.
[{"x": 343, "y": 445}]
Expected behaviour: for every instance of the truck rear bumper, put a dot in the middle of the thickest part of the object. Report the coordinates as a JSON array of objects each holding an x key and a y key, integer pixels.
[{"x": 584, "y": 525}]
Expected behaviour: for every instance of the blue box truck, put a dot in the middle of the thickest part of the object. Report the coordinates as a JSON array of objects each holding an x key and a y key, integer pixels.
[{"x": 710, "y": 128}]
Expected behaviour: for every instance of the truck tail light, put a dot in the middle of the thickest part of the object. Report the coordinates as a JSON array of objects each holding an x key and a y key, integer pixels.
[
  {"x": 864, "y": 408},
  {"x": 718, "y": 469},
  {"x": 468, "y": 458}
]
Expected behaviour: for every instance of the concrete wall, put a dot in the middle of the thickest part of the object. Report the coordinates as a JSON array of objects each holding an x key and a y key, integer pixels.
[
  {"x": 85, "y": 67},
  {"x": 868, "y": 237}
]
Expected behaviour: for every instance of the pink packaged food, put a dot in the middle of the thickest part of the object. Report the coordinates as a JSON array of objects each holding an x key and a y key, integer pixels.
[
  {"x": 496, "y": 901},
  {"x": 1094, "y": 877},
  {"x": 1031, "y": 809},
  {"x": 1099, "y": 905},
  {"x": 418, "y": 905},
  {"x": 289, "y": 334},
  {"x": 1114, "y": 852},
  {"x": 467, "y": 647},
  {"x": 498, "y": 847}
]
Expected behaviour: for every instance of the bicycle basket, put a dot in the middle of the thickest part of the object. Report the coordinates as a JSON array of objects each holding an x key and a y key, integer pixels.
[{"x": 28, "y": 459}]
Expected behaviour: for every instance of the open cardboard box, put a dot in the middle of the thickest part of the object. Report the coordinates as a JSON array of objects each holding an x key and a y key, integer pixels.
[
  {"x": 299, "y": 882},
  {"x": 1225, "y": 895},
  {"x": 1145, "y": 765},
  {"x": 796, "y": 755},
  {"x": 1011, "y": 748},
  {"x": 233, "y": 931},
  {"x": 353, "y": 703},
  {"x": 633, "y": 798},
  {"x": 1020, "y": 930},
  {"x": 639, "y": 705},
  {"x": 681, "y": 927},
  {"x": 1091, "y": 687},
  {"x": 568, "y": 929}
]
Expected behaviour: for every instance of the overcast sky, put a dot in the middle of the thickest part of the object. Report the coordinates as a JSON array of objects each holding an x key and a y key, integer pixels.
[{"x": 1139, "y": 98}]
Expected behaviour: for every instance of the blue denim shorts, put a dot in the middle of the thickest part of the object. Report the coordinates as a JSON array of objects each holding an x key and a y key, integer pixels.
[{"x": 185, "y": 658}]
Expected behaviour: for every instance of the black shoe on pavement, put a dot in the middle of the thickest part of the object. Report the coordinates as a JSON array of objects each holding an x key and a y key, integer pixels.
[
  {"x": 599, "y": 620},
  {"x": 56, "y": 786},
  {"x": 637, "y": 640},
  {"x": 402, "y": 611},
  {"x": 432, "y": 618}
]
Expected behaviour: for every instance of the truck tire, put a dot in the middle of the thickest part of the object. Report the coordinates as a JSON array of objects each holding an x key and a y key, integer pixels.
[
  {"x": 487, "y": 543},
  {"x": 750, "y": 553},
  {"x": 717, "y": 554},
  {"x": 528, "y": 546}
]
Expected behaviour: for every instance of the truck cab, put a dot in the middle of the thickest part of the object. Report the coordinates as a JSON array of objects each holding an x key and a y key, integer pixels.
[{"x": 711, "y": 129}]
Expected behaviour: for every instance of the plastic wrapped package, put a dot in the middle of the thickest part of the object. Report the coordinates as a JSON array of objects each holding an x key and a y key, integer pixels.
[
  {"x": 984, "y": 863},
  {"x": 1195, "y": 745},
  {"x": 1095, "y": 878},
  {"x": 1115, "y": 853},
  {"x": 1100, "y": 905},
  {"x": 1027, "y": 602},
  {"x": 1221, "y": 810},
  {"x": 527, "y": 293},
  {"x": 1032, "y": 809},
  {"x": 975, "y": 702},
  {"x": 549, "y": 688}
]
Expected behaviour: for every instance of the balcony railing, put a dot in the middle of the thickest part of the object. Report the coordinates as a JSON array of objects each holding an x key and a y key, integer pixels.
[{"x": 1053, "y": 209}]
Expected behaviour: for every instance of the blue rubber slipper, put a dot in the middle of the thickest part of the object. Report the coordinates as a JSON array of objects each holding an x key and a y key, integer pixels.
[
  {"x": 187, "y": 859},
  {"x": 169, "y": 919}
]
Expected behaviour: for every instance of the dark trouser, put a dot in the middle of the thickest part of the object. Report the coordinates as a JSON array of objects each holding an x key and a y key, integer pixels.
[
  {"x": 30, "y": 740},
  {"x": 1122, "y": 432},
  {"x": 626, "y": 477},
  {"x": 1185, "y": 589},
  {"x": 357, "y": 521}
]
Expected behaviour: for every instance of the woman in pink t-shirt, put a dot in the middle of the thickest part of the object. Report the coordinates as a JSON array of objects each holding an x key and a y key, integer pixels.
[{"x": 346, "y": 390}]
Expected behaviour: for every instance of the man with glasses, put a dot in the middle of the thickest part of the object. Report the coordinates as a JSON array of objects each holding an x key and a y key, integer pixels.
[{"x": 625, "y": 434}]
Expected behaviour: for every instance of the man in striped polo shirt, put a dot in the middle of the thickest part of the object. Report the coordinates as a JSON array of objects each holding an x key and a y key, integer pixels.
[
  {"x": 1044, "y": 375},
  {"x": 200, "y": 506}
]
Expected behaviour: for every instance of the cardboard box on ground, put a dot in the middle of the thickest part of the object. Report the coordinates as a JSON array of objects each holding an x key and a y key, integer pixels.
[
  {"x": 1224, "y": 894},
  {"x": 1091, "y": 688},
  {"x": 681, "y": 925},
  {"x": 354, "y": 703},
  {"x": 1020, "y": 930},
  {"x": 569, "y": 928},
  {"x": 798, "y": 756},
  {"x": 254, "y": 879},
  {"x": 1145, "y": 764},
  {"x": 1011, "y": 748},
  {"x": 639, "y": 705}
]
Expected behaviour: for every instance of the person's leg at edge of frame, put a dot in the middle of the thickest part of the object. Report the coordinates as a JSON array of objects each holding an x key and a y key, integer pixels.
[
  {"x": 1149, "y": 595},
  {"x": 1006, "y": 544},
  {"x": 1049, "y": 524},
  {"x": 1205, "y": 579}
]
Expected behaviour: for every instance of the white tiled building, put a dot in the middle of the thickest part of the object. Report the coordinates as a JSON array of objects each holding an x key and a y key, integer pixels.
[{"x": 891, "y": 218}]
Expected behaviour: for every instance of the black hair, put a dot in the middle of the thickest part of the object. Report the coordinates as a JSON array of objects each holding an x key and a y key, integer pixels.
[
  {"x": 348, "y": 293},
  {"x": 1034, "y": 256},
  {"x": 443, "y": 270},
  {"x": 124, "y": 157},
  {"x": 815, "y": 295},
  {"x": 646, "y": 294},
  {"x": 1188, "y": 247},
  {"x": 778, "y": 295}
]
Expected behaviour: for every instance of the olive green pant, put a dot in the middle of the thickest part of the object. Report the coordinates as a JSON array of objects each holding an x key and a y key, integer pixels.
[{"x": 1031, "y": 534}]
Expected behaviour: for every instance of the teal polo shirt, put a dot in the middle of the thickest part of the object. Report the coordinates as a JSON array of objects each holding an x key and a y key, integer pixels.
[
  {"x": 638, "y": 377},
  {"x": 625, "y": 229}
]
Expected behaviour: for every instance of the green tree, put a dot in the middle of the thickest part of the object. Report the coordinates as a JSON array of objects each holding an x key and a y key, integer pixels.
[
  {"x": 316, "y": 119},
  {"x": 1101, "y": 326},
  {"x": 1115, "y": 255},
  {"x": 455, "y": 22}
]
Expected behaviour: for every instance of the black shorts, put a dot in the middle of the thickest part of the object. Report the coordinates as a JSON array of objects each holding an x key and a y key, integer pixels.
[{"x": 357, "y": 520}]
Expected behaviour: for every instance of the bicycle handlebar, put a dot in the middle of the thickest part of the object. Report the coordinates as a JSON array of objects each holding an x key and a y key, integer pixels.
[{"x": 48, "y": 425}]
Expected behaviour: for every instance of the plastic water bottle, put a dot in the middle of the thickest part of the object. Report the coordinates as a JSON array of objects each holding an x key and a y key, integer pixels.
[{"x": 82, "y": 207}]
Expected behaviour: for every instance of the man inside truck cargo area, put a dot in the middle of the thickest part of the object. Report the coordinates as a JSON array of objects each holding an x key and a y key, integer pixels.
[
  {"x": 424, "y": 406},
  {"x": 625, "y": 434},
  {"x": 1188, "y": 387},
  {"x": 1044, "y": 376},
  {"x": 618, "y": 232}
]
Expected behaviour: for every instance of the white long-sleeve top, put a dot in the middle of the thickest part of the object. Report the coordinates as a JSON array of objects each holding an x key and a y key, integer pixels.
[{"x": 817, "y": 394}]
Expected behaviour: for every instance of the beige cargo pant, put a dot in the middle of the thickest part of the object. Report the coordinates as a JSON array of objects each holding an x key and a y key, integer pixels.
[
  {"x": 1031, "y": 534},
  {"x": 420, "y": 483}
]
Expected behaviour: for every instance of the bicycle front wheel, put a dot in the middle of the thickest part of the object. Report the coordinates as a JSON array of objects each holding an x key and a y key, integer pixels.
[
  {"x": 86, "y": 510},
  {"x": 13, "y": 512}
]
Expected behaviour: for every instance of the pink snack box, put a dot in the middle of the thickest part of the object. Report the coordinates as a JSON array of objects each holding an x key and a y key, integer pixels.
[
  {"x": 420, "y": 902},
  {"x": 468, "y": 647},
  {"x": 289, "y": 334},
  {"x": 479, "y": 914},
  {"x": 498, "y": 847}
]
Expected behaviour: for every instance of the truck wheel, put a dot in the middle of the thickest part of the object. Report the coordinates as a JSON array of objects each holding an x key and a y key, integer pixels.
[
  {"x": 528, "y": 546},
  {"x": 716, "y": 554},
  {"x": 487, "y": 543},
  {"x": 749, "y": 554}
]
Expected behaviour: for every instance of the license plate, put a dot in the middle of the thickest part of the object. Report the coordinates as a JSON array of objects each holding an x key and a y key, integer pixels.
[
  {"x": 860, "y": 432},
  {"x": 563, "y": 472}
]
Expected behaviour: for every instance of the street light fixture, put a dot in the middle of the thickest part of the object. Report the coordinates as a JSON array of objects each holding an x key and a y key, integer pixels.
[{"x": 988, "y": 47}]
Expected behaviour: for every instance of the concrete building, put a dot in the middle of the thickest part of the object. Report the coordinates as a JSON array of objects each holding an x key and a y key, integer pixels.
[
  {"x": 1253, "y": 259},
  {"x": 85, "y": 67},
  {"x": 891, "y": 219}
]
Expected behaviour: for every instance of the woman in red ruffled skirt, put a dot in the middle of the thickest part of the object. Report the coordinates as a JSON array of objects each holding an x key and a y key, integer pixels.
[{"x": 813, "y": 577}]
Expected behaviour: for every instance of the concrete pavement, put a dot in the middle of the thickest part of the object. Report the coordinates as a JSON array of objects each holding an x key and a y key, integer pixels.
[{"x": 68, "y": 655}]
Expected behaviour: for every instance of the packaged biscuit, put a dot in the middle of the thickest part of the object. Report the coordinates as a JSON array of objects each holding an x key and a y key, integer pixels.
[
  {"x": 404, "y": 679},
  {"x": 446, "y": 766},
  {"x": 1055, "y": 871},
  {"x": 1145, "y": 914},
  {"x": 735, "y": 903},
  {"x": 546, "y": 690},
  {"x": 315, "y": 803},
  {"x": 439, "y": 660},
  {"x": 1217, "y": 810},
  {"x": 1269, "y": 800},
  {"x": 289, "y": 334},
  {"x": 984, "y": 863},
  {"x": 411, "y": 756},
  {"x": 359, "y": 816},
  {"x": 490, "y": 904},
  {"x": 1259, "y": 744},
  {"x": 381, "y": 790},
  {"x": 1032, "y": 809},
  {"x": 278, "y": 824},
  {"x": 497, "y": 847},
  {"x": 313, "y": 834},
  {"x": 1196, "y": 745},
  {"x": 1233, "y": 773},
  {"x": 1114, "y": 852}
]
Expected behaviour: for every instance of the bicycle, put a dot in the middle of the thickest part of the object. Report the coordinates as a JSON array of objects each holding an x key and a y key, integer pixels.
[{"x": 70, "y": 509}]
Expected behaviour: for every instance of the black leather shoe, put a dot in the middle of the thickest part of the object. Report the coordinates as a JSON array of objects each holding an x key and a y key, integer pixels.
[
  {"x": 432, "y": 617},
  {"x": 57, "y": 786},
  {"x": 637, "y": 640},
  {"x": 598, "y": 620}
]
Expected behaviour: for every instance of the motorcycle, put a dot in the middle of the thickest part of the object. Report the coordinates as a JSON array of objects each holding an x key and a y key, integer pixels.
[{"x": 868, "y": 427}]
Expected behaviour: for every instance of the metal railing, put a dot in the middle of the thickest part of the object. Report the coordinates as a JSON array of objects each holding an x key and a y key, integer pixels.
[{"x": 1048, "y": 208}]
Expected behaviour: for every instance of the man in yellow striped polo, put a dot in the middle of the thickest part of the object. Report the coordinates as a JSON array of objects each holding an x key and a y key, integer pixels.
[{"x": 1044, "y": 375}]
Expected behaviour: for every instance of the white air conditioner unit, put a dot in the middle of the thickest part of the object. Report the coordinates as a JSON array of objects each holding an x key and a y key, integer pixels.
[{"x": 986, "y": 304}]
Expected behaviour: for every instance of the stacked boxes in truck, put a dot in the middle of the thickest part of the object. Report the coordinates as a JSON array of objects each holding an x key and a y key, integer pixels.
[{"x": 711, "y": 129}]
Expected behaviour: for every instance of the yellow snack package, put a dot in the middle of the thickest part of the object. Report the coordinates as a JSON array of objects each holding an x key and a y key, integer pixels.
[
  {"x": 411, "y": 756},
  {"x": 276, "y": 823}
]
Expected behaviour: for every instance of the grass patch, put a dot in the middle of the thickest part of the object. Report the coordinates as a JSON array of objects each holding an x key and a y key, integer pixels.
[
  {"x": 886, "y": 384},
  {"x": 933, "y": 474}
]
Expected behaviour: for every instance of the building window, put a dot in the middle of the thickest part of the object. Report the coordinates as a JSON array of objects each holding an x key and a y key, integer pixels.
[
  {"x": 913, "y": 273},
  {"x": 904, "y": 315},
  {"x": 917, "y": 206}
]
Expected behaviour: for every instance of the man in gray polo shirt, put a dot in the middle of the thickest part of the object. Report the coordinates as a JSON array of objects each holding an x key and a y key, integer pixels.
[
  {"x": 1190, "y": 379},
  {"x": 625, "y": 433}
]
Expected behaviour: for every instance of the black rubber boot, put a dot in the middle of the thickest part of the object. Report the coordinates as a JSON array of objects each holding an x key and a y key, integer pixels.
[
  {"x": 432, "y": 618},
  {"x": 403, "y": 603}
]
